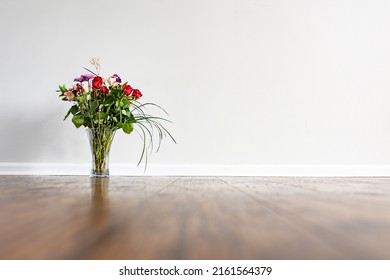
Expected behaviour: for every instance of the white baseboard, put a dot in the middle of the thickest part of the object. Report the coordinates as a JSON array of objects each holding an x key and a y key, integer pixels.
[{"x": 7, "y": 168}]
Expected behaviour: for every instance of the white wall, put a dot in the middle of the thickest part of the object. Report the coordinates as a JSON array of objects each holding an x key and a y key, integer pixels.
[{"x": 247, "y": 82}]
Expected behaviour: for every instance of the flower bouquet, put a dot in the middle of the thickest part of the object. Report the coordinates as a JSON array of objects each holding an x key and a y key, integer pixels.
[{"x": 105, "y": 105}]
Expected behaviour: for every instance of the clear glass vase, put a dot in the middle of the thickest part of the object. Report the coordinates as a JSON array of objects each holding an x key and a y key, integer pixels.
[{"x": 100, "y": 140}]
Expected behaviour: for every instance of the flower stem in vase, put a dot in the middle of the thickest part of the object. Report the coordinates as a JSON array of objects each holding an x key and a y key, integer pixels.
[{"x": 100, "y": 140}]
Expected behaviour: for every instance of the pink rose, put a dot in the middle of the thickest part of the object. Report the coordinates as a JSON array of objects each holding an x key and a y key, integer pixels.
[{"x": 69, "y": 95}]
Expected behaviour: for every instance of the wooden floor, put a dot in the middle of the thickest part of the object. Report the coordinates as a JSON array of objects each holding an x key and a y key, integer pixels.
[{"x": 65, "y": 217}]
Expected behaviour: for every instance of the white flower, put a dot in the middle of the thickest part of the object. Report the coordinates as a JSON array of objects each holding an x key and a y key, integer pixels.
[
  {"x": 95, "y": 61},
  {"x": 86, "y": 86},
  {"x": 112, "y": 81}
]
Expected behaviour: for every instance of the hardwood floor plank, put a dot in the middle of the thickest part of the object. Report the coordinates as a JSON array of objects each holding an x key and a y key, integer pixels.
[
  {"x": 204, "y": 218},
  {"x": 59, "y": 217},
  {"x": 353, "y": 217},
  {"x": 73, "y": 217}
]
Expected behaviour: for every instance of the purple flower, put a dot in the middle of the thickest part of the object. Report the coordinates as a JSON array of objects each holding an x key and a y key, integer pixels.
[{"x": 84, "y": 78}]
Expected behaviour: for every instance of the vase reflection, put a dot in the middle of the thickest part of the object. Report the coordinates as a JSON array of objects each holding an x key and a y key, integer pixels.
[
  {"x": 99, "y": 200},
  {"x": 99, "y": 189}
]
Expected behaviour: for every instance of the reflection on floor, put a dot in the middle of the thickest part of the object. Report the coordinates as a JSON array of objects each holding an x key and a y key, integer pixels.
[{"x": 75, "y": 217}]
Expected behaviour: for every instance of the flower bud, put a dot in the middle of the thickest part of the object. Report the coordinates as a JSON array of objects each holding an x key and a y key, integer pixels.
[{"x": 69, "y": 95}]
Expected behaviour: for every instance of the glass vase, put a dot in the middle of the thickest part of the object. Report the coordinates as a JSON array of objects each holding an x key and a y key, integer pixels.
[{"x": 100, "y": 140}]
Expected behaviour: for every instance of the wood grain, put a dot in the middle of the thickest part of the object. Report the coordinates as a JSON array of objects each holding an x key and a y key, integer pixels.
[{"x": 75, "y": 217}]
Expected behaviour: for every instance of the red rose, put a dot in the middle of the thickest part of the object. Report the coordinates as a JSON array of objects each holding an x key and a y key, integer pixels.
[
  {"x": 127, "y": 89},
  {"x": 136, "y": 93},
  {"x": 103, "y": 89},
  {"x": 97, "y": 82}
]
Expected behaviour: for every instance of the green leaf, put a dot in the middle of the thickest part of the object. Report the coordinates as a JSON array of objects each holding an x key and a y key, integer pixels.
[
  {"x": 127, "y": 128},
  {"x": 126, "y": 103},
  {"x": 93, "y": 106},
  {"x": 63, "y": 89},
  {"x": 109, "y": 100},
  {"x": 74, "y": 109},
  {"x": 131, "y": 118},
  {"x": 78, "y": 120},
  {"x": 87, "y": 122},
  {"x": 124, "y": 112},
  {"x": 67, "y": 114},
  {"x": 102, "y": 115}
]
